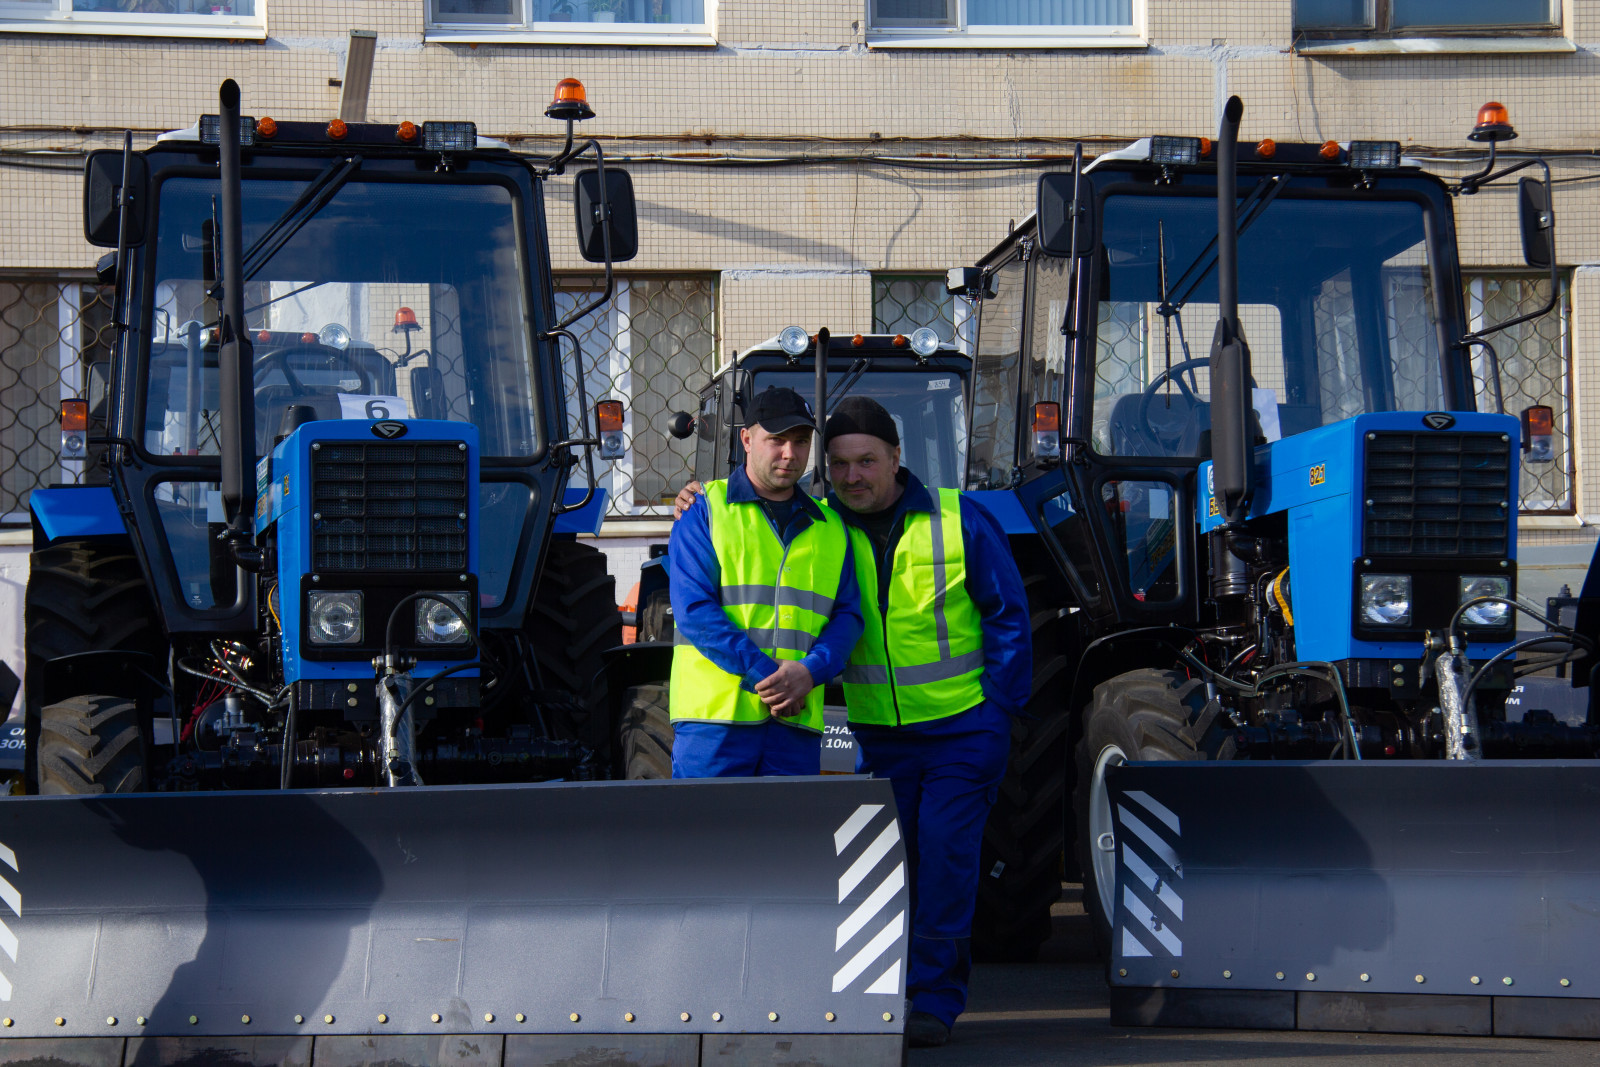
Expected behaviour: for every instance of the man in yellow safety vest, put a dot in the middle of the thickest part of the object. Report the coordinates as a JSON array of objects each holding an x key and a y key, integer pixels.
[{"x": 766, "y": 607}]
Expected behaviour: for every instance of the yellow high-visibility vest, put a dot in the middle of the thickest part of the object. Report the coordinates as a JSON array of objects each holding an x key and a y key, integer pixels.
[
  {"x": 780, "y": 595},
  {"x": 924, "y": 659}
]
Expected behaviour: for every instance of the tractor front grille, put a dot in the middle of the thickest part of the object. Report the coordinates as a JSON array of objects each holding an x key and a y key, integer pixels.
[
  {"x": 389, "y": 506},
  {"x": 1437, "y": 493}
]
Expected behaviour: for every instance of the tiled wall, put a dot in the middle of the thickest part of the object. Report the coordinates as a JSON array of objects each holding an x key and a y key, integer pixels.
[{"x": 798, "y": 243}]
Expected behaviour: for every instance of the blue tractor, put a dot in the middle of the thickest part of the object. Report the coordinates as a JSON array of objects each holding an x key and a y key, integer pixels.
[
  {"x": 315, "y": 702},
  {"x": 1286, "y": 571}
]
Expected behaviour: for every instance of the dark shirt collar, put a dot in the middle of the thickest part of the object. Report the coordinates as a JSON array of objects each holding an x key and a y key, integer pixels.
[
  {"x": 914, "y": 497},
  {"x": 741, "y": 491}
]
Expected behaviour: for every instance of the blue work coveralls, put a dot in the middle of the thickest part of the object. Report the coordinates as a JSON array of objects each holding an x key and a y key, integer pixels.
[
  {"x": 714, "y": 750},
  {"x": 946, "y": 773}
]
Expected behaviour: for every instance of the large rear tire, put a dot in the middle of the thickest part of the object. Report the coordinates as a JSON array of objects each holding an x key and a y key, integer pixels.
[
  {"x": 82, "y": 596},
  {"x": 1020, "y": 863},
  {"x": 573, "y": 620},
  {"x": 1141, "y": 715},
  {"x": 646, "y": 733},
  {"x": 90, "y": 745}
]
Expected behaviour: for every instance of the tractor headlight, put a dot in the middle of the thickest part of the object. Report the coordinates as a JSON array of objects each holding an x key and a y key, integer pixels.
[
  {"x": 1386, "y": 599},
  {"x": 335, "y": 618},
  {"x": 924, "y": 341},
  {"x": 1486, "y": 614},
  {"x": 437, "y": 624},
  {"x": 793, "y": 340}
]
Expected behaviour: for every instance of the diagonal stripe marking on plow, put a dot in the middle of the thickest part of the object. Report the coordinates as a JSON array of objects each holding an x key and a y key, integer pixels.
[
  {"x": 863, "y": 865},
  {"x": 1164, "y": 852},
  {"x": 1163, "y": 891},
  {"x": 1156, "y": 808},
  {"x": 876, "y": 901},
  {"x": 852, "y": 826},
  {"x": 1136, "y": 908},
  {"x": 873, "y": 949}
]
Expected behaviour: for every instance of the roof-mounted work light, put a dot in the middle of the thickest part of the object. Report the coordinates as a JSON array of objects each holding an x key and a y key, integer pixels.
[
  {"x": 1174, "y": 151},
  {"x": 570, "y": 102},
  {"x": 449, "y": 136},
  {"x": 211, "y": 129},
  {"x": 1374, "y": 155}
]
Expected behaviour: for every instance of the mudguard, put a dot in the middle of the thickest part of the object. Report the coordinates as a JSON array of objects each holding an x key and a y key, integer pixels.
[
  {"x": 614, "y": 913},
  {"x": 1393, "y": 895},
  {"x": 76, "y": 511}
]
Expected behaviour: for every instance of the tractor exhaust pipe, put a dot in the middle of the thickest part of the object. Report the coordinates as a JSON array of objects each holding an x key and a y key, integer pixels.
[
  {"x": 235, "y": 359},
  {"x": 1232, "y": 437}
]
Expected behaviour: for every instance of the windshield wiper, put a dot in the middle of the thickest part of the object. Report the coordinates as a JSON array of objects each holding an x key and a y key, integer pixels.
[
  {"x": 312, "y": 199},
  {"x": 1166, "y": 309},
  {"x": 1254, "y": 205}
]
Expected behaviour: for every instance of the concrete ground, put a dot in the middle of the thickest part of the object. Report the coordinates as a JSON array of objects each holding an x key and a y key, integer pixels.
[{"x": 1055, "y": 1012}]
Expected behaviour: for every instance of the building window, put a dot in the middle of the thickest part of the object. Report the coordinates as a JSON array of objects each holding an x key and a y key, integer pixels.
[
  {"x": 1425, "y": 18},
  {"x": 618, "y": 21},
  {"x": 904, "y": 302},
  {"x": 238, "y": 19},
  {"x": 51, "y": 330},
  {"x": 1535, "y": 358},
  {"x": 652, "y": 348},
  {"x": 1004, "y": 23}
]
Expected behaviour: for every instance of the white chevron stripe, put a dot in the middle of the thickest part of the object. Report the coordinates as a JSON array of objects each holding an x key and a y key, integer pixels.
[
  {"x": 868, "y": 859},
  {"x": 1157, "y": 844},
  {"x": 1132, "y": 946},
  {"x": 854, "y": 825},
  {"x": 8, "y": 942},
  {"x": 888, "y": 982},
  {"x": 5, "y": 988},
  {"x": 873, "y": 949},
  {"x": 8, "y": 857},
  {"x": 1147, "y": 918},
  {"x": 1156, "y": 808},
  {"x": 1163, "y": 891},
  {"x": 13, "y": 899},
  {"x": 875, "y": 902}
]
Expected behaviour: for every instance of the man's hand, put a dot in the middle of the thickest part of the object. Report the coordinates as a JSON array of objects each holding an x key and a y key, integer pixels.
[
  {"x": 685, "y": 499},
  {"x": 784, "y": 691}
]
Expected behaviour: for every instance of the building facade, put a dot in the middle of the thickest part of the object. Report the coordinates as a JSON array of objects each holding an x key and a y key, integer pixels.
[{"x": 814, "y": 164}]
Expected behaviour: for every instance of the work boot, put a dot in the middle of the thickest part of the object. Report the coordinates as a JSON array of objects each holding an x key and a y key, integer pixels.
[{"x": 925, "y": 1031}]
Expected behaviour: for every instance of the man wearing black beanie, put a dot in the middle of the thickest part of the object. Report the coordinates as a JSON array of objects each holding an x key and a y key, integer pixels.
[{"x": 944, "y": 661}]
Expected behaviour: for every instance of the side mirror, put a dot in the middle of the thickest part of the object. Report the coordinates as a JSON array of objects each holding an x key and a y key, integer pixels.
[
  {"x": 102, "y": 184},
  {"x": 969, "y": 282},
  {"x": 99, "y": 389},
  {"x": 1055, "y": 216},
  {"x": 1538, "y": 223},
  {"x": 681, "y": 425},
  {"x": 624, "y": 223}
]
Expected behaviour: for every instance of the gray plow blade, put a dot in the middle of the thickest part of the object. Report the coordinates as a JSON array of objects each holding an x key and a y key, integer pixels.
[
  {"x": 664, "y": 921},
  {"x": 1396, "y": 896}
]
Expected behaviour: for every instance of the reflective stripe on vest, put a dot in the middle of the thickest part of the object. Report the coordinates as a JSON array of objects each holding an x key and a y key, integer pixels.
[
  {"x": 780, "y": 596},
  {"x": 927, "y": 662}
]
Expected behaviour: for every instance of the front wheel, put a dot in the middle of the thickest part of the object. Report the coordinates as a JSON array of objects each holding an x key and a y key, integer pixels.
[
  {"x": 90, "y": 745},
  {"x": 1142, "y": 715},
  {"x": 646, "y": 733}
]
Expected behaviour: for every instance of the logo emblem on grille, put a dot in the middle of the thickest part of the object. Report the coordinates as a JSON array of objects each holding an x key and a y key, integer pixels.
[
  {"x": 390, "y": 430},
  {"x": 1438, "y": 420}
]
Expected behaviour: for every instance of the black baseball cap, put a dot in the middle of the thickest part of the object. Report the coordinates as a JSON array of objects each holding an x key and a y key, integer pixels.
[
  {"x": 778, "y": 409},
  {"x": 861, "y": 414}
]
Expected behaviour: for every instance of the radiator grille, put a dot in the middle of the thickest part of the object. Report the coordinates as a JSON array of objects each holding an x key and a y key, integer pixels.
[
  {"x": 389, "y": 506},
  {"x": 1438, "y": 494}
]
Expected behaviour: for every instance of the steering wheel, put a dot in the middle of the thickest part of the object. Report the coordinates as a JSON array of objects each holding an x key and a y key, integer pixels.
[
  {"x": 336, "y": 359},
  {"x": 1167, "y": 434}
]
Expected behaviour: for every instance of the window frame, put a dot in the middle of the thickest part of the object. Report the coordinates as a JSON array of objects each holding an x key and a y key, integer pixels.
[
  {"x": 528, "y": 31},
  {"x": 57, "y": 16},
  {"x": 1008, "y": 37},
  {"x": 1381, "y": 37}
]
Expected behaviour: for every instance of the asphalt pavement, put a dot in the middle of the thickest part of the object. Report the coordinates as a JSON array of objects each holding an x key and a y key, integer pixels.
[{"x": 1055, "y": 1012}]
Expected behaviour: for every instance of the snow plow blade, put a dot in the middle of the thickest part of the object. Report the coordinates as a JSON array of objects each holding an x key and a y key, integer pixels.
[
  {"x": 647, "y": 922},
  {"x": 1417, "y": 897}
]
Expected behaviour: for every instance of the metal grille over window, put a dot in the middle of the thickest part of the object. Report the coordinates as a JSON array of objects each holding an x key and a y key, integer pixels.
[
  {"x": 1434, "y": 493},
  {"x": 1535, "y": 358},
  {"x": 652, "y": 347},
  {"x": 51, "y": 330},
  {"x": 902, "y": 303},
  {"x": 389, "y": 506}
]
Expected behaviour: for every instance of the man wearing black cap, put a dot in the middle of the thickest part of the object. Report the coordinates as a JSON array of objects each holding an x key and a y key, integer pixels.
[
  {"x": 766, "y": 605},
  {"x": 944, "y": 660}
]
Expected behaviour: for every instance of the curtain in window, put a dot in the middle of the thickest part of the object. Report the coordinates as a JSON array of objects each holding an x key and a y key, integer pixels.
[{"x": 1049, "y": 12}]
